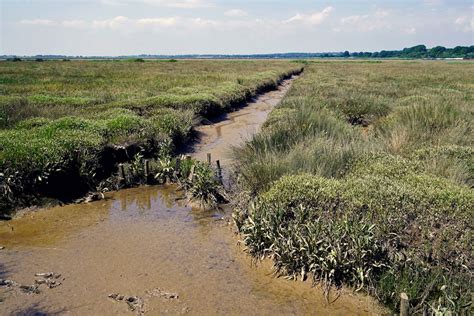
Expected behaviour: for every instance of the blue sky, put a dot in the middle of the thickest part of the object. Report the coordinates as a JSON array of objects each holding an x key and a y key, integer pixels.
[{"x": 123, "y": 27}]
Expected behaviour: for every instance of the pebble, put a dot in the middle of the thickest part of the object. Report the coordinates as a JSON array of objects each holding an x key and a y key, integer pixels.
[{"x": 7, "y": 282}]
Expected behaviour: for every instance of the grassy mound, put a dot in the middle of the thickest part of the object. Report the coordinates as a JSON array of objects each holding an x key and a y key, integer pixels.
[
  {"x": 363, "y": 176},
  {"x": 389, "y": 231}
]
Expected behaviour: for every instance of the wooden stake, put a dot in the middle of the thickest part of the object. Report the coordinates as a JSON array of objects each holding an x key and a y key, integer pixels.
[
  {"x": 177, "y": 168},
  {"x": 191, "y": 174},
  {"x": 147, "y": 167},
  {"x": 219, "y": 171},
  {"x": 122, "y": 173},
  {"x": 209, "y": 158},
  {"x": 404, "y": 305}
]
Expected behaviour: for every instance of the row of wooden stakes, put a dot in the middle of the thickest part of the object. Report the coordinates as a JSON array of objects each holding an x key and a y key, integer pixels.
[{"x": 122, "y": 173}]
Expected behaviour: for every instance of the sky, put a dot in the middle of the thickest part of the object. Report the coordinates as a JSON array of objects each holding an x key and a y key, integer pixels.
[{"x": 128, "y": 27}]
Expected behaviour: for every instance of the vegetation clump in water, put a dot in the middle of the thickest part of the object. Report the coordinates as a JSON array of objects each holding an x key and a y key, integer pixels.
[{"x": 198, "y": 179}]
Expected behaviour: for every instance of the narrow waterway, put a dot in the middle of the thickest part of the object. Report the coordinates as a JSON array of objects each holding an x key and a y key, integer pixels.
[
  {"x": 234, "y": 128},
  {"x": 149, "y": 244}
]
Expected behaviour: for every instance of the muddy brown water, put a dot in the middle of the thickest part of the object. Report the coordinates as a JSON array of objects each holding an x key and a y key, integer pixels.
[{"x": 137, "y": 241}]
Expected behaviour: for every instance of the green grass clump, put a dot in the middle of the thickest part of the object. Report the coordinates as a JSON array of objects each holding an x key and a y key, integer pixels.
[
  {"x": 299, "y": 136},
  {"x": 452, "y": 162},
  {"x": 361, "y": 231},
  {"x": 438, "y": 122}
]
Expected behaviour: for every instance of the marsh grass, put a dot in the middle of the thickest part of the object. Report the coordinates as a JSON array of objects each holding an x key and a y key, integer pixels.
[
  {"x": 363, "y": 176},
  {"x": 81, "y": 118}
]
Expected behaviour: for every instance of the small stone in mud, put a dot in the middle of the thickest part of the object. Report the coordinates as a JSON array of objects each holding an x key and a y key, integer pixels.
[
  {"x": 48, "y": 275},
  {"x": 2, "y": 247},
  {"x": 29, "y": 289},
  {"x": 116, "y": 296},
  {"x": 185, "y": 310},
  {"x": 163, "y": 294},
  {"x": 135, "y": 303},
  {"x": 7, "y": 282},
  {"x": 52, "y": 284},
  {"x": 94, "y": 197},
  {"x": 47, "y": 279}
]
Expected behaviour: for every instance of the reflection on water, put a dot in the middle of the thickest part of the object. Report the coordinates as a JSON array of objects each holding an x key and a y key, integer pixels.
[{"x": 48, "y": 226}]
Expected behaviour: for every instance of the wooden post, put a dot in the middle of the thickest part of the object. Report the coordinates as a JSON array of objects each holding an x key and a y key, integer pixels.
[
  {"x": 122, "y": 174},
  {"x": 177, "y": 168},
  {"x": 404, "y": 305},
  {"x": 209, "y": 159},
  {"x": 219, "y": 171},
  {"x": 191, "y": 174},
  {"x": 147, "y": 170}
]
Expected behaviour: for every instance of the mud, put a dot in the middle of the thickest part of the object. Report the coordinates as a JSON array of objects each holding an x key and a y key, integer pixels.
[
  {"x": 145, "y": 251},
  {"x": 234, "y": 128}
]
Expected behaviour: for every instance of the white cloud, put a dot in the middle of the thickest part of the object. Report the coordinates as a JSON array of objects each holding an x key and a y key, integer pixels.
[
  {"x": 170, "y": 21},
  {"x": 127, "y": 24},
  {"x": 74, "y": 24},
  {"x": 362, "y": 23},
  {"x": 181, "y": 4},
  {"x": 38, "y": 22},
  {"x": 354, "y": 19},
  {"x": 312, "y": 19},
  {"x": 184, "y": 4},
  {"x": 465, "y": 23},
  {"x": 236, "y": 13},
  {"x": 365, "y": 23},
  {"x": 112, "y": 2},
  {"x": 460, "y": 20},
  {"x": 380, "y": 13},
  {"x": 113, "y": 23},
  {"x": 199, "y": 22},
  {"x": 433, "y": 2}
]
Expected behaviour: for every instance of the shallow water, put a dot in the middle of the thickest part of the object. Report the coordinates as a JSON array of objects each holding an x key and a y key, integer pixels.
[
  {"x": 234, "y": 128},
  {"x": 147, "y": 238}
]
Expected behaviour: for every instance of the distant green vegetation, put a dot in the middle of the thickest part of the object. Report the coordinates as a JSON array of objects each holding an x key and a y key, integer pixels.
[
  {"x": 65, "y": 126},
  {"x": 420, "y": 51},
  {"x": 415, "y": 52},
  {"x": 364, "y": 176}
]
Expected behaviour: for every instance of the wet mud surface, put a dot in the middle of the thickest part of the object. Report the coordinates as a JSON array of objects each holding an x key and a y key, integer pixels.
[
  {"x": 235, "y": 128},
  {"x": 145, "y": 251}
]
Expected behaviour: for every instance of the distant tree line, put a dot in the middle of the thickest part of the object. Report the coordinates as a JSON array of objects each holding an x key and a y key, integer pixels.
[{"x": 419, "y": 51}]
